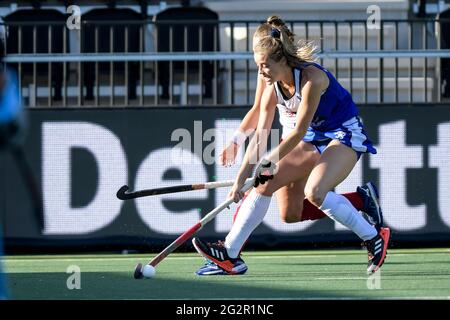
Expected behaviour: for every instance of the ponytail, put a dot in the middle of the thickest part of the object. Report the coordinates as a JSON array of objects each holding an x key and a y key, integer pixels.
[{"x": 275, "y": 39}]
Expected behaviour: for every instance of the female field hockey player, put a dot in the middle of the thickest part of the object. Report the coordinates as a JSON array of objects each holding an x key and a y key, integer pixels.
[
  {"x": 318, "y": 116},
  {"x": 364, "y": 199}
]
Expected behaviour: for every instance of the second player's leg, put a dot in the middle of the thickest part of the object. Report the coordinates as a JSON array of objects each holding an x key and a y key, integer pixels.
[
  {"x": 289, "y": 182},
  {"x": 294, "y": 167},
  {"x": 290, "y": 201},
  {"x": 292, "y": 205}
]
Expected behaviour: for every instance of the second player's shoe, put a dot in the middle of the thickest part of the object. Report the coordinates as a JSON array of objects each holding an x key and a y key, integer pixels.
[
  {"x": 212, "y": 269},
  {"x": 372, "y": 209},
  {"x": 377, "y": 250},
  {"x": 217, "y": 253}
]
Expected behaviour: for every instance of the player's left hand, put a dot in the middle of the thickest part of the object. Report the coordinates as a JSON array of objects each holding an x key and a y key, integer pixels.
[{"x": 264, "y": 172}]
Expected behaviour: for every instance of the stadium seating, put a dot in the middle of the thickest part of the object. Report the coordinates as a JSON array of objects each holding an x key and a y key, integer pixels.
[
  {"x": 445, "y": 44},
  {"x": 104, "y": 44},
  {"x": 27, "y": 45},
  {"x": 370, "y": 80},
  {"x": 209, "y": 42}
]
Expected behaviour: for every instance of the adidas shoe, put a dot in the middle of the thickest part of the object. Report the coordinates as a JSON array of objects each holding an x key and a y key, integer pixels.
[
  {"x": 377, "y": 250},
  {"x": 217, "y": 253},
  {"x": 372, "y": 210},
  {"x": 212, "y": 269}
]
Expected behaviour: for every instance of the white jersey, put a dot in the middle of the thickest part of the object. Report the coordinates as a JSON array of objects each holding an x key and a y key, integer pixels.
[{"x": 287, "y": 108}]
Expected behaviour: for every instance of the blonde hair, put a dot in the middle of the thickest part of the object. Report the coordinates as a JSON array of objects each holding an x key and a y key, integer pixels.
[{"x": 276, "y": 40}]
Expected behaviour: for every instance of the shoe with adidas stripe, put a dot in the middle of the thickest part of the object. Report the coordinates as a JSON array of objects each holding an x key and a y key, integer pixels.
[
  {"x": 372, "y": 209},
  {"x": 212, "y": 269},
  {"x": 217, "y": 253},
  {"x": 377, "y": 250}
]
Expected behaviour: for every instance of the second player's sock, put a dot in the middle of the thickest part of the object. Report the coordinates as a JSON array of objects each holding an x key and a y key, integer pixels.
[
  {"x": 311, "y": 212},
  {"x": 251, "y": 214},
  {"x": 355, "y": 199}
]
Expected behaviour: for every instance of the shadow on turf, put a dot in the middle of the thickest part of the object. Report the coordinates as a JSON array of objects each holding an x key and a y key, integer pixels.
[
  {"x": 355, "y": 263},
  {"x": 420, "y": 262},
  {"x": 98, "y": 285},
  {"x": 321, "y": 264}
]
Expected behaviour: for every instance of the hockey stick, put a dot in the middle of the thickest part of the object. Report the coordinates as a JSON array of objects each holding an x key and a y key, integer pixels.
[
  {"x": 189, "y": 233},
  {"x": 123, "y": 193}
]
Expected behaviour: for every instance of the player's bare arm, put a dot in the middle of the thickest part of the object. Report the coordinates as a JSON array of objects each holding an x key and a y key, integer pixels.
[
  {"x": 247, "y": 126},
  {"x": 258, "y": 144},
  {"x": 314, "y": 84}
]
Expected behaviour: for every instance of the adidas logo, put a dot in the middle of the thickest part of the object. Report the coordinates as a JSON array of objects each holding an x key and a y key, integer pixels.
[
  {"x": 378, "y": 244},
  {"x": 216, "y": 253}
]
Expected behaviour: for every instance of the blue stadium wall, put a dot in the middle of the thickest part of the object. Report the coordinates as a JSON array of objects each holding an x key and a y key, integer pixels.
[{"x": 82, "y": 156}]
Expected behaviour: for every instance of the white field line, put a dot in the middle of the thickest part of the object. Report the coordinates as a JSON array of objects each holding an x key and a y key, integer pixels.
[
  {"x": 168, "y": 258},
  {"x": 343, "y": 278},
  {"x": 321, "y": 298},
  {"x": 11, "y": 259}
]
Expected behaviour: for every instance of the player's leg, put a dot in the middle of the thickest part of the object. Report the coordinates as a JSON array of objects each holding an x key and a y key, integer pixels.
[
  {"x": 254, "y": 208},
  {"x": 334, "y": 165},
  {"x": 290, "y": 196},
  {"x": 292, "y": 204},
  {"x": 290, "y": 200},
  {"x": 294, "y": 207},
  {"x": 209, "y": 268},
  {"x": 293, "y": 169}
]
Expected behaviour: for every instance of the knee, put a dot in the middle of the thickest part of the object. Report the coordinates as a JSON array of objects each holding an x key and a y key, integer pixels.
[
  {"x": 291, "y": 218},
  {"x": 291, "y": 214},
  {"x": 315, "y": 195},
  {"x": 266, "y": 189}
]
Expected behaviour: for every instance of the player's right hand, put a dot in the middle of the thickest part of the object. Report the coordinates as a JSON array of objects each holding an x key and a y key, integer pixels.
[{"x": 228, "y": 156}]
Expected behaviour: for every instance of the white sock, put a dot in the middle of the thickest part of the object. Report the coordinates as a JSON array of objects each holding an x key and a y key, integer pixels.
[
  {"x": 251, "y": 214},
  {"x": 338, "y": 208}
]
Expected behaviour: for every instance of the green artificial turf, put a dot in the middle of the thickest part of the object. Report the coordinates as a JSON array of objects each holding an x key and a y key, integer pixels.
[{"x": 315, "y": 274}]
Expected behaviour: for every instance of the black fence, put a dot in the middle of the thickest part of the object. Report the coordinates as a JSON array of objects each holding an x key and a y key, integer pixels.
[
  {"x": 175, "y": 62},
  {"x": 82, "y": 156}
]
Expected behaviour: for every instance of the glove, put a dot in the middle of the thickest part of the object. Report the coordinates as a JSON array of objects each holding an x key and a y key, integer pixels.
[{"x": 264, "y": 172}]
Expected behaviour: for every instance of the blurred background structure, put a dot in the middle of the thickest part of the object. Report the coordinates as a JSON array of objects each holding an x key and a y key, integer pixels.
[{"x": 395, "y": 60}]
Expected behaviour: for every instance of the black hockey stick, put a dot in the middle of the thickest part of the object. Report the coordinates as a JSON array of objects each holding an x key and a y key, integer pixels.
[{"x": 123, "y": 193}]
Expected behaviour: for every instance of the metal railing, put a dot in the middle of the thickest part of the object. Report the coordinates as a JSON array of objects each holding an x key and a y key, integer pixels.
[{"x": 400, "y": 62}]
